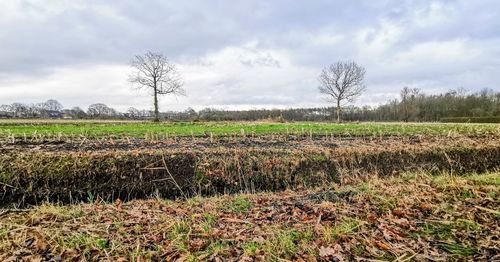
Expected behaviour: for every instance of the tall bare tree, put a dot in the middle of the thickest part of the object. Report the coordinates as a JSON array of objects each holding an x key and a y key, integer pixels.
[
  {"x": 408, "y": 102},
  {"x": 342, "y": 82},
  {"x": 154, "y": 72}
]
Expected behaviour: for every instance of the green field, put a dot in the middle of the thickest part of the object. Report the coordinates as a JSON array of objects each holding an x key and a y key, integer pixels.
[{"x": 141, "y": 129}]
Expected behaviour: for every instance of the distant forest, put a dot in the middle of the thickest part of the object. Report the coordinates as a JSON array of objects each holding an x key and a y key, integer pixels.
[{"x": 412, "y": 106}]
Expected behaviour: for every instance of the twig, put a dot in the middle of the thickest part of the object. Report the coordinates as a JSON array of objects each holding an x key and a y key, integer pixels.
[
  {"x": 7, "y": 185},
  {"x": 18, "y": 227},
  {"x": 404, "y": 257},
  {"x": 171, "y": 176},
  {"x": 234, "y": 220},
  {"x": 153, "y": 168},
  {"x": 152, "y": 164},
  {"x": 488, "y": 210},
  {"x": 161, "y": 179},
  {"x": 6, "y": 211},
  {"x": 319, "y": 220},
  {"x": 83, "y": 141}
]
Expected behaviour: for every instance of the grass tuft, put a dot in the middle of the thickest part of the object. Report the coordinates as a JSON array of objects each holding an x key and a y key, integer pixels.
[
  {"x": 239, "y": 204},
  {"x": 458, "y": 249}
]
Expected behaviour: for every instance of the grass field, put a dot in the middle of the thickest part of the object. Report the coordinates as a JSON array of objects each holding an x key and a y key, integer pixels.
[{"x": 141, "y": 129}]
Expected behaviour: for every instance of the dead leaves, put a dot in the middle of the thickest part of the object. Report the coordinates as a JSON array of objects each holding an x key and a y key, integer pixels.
[
  {"x": 399, "y": 212},
  {"x": 383, "y": 245},
  {"x": 36, "y": 241},
  {"x": 426, "y": 207},
  {"x": 331, "y": 253}
]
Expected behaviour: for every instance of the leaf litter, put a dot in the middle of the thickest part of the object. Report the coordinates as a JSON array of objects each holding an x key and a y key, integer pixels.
[{"x": 402, "y": 218}]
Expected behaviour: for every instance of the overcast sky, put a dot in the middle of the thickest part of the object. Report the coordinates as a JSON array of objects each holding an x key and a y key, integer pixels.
[{"x": 243, "y": 54}]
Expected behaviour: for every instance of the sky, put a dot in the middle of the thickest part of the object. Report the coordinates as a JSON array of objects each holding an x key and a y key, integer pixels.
[{"x": 235, "y": 54}]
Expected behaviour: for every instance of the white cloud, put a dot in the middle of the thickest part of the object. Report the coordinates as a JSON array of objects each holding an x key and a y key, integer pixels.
[
  {"x": 374, "y": 42},
  {"x": 271, "y": 78},
  {"x": 438, "y": 53},
  {"x": 327, "y": 39},
  {"x": 78, "y": 86}
]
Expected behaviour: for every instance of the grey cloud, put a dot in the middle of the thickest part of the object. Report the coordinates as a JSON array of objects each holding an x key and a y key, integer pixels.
[
  {"x": 261, "y": 60},
  {"x": 43, "y": 38}
]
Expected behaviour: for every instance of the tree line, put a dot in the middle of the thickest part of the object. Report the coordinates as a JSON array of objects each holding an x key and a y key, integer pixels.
[{"x": 413, "y": 105}]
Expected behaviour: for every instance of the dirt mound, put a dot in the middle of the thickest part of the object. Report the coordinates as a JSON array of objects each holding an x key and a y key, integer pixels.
[{"x": 34, "y": 173}]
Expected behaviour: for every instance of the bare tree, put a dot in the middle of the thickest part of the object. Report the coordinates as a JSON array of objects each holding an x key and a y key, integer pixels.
[
  {"x": 408, "y": 102},
  {"x": 76, "y": 112},
  {"x": 133, "y": 112},
  {"x": 343, "y": 81},
  {"x": 19, "y": 109},
  {"x": 5, "y": 108},
  {"x": 100, "y": 110},
  {"x": 52, "y": 105},
  {"x": 154, "y": 72}
]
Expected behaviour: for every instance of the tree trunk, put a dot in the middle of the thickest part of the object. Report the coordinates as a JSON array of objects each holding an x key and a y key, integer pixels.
[
  {"x": 338, "y": 111},
  {"x": 157, "y": 113}
]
